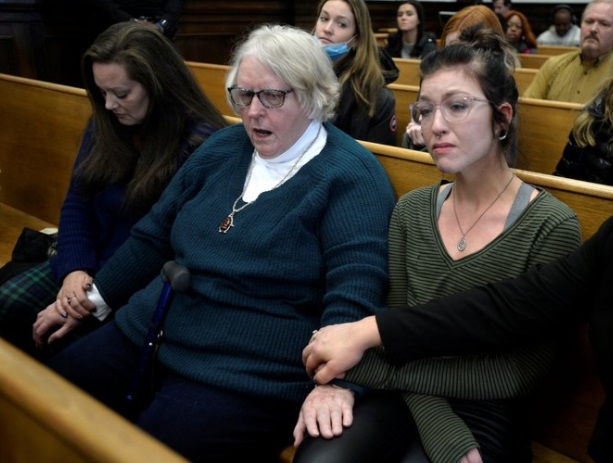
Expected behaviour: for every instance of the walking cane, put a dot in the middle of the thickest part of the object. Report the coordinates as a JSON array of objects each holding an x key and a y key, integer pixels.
[{"x": 176, "y": 278}]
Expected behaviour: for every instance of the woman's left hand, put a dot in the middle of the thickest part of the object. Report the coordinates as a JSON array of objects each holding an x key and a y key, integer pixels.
[
  {"x": 51, "y": 326},
  {"x": 326, "y": 411},
  {"x": 334, "y": 349}
]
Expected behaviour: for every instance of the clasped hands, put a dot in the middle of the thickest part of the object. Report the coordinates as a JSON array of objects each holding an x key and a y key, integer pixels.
[{"x": 63, "y": 315}]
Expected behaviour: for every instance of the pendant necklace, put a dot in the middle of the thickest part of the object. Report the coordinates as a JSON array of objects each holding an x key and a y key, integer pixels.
[
  {"x": 228, "y": 222},
  {"x": 461, "y": 246}
]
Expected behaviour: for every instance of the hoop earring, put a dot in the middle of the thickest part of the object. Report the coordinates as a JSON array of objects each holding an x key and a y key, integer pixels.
[{"x": 502, "y": 137}]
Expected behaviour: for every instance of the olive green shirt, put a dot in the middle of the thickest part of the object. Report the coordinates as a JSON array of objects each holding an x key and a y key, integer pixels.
[{"x": 567, "y": 78}]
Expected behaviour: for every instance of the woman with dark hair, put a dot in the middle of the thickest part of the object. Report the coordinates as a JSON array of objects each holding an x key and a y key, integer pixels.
[
  {"x": 519, "y": 32},
  {"x": 467, "y": 18},
  {"x": 485, "y": 226},
  {"x": 411, "y": 40},
  {"x": 148, "y": 115},
  {"x": 367, "y": 108}
]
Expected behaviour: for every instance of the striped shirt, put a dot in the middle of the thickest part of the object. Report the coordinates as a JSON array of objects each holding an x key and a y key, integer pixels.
[{"x": 421, "y": 270}]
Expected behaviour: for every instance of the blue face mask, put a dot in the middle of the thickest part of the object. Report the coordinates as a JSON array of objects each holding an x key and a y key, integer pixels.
[{"x": 336, "y": 51}]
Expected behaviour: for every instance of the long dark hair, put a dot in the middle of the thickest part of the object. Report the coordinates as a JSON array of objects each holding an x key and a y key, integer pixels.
[{"x": 177, "y": 106}]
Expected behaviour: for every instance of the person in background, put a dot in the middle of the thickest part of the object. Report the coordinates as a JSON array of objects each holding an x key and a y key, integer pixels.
[
  {"x": 588, "y": 155},
  {"x": 501, "y": 6},
  {"x": 162, "y": 15},
  {"x": 576, "y": 76},
  {"x": 411, "y": 40},
  {"x": 464, "y": 19},
  {"x": 282, "y": 224},
  {"x": 367, "y": 108},
  {"x": 519, "y": 32},
  {"x": 148, "y": 115},
  {"x": 485, "y": 226},
  {"x": 563, "y": 31}
]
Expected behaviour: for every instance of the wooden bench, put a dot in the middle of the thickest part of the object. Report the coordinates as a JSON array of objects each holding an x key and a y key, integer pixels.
[
  {"x": 45, "y": 418},
  {"x": 381, "y": 38},
  {"x": 40, "y": 413},
  {"x": 409, "y": 74},
  {"x": 553, "y": 50},
  {"x": 543, "y": 127},
  {"x": 532, "y": 61}
]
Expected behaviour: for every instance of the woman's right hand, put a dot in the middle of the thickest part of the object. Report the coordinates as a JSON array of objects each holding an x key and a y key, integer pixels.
[
  {"x": 50, "y": 325},
  {"x": 334, "y": 349},
  {"x": 415, "y": 134},
  {"x": 472, "y": 456},
  {"x": 72, "y": 298},
  {"x": 326, "y": 411}
]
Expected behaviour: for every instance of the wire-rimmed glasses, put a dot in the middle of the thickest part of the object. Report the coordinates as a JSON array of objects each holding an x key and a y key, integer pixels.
[
  {"x": 270, "y": 98},
  {"x": 453, "y": 109}
]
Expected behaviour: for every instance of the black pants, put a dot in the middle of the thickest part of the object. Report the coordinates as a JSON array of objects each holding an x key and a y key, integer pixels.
[{"x": 383, "y": 431}]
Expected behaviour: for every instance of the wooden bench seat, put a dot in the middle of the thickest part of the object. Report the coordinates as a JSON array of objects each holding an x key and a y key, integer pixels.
[
  {"x": 44, "y": 418},
  {"x": 40, "y": 426},
  {"x": 553, "y": 50}
]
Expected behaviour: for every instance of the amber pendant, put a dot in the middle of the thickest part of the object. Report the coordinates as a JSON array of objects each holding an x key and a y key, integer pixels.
[{"x": 226, "y": 224}]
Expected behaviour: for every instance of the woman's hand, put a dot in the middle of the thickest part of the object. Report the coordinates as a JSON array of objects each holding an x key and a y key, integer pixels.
[
  {"x": 51, "y": 326},
  {"x": 325, "y": 411},
  {"x": 472, "y": 456},
  {"x": 72, "y": 298},
  {"x": 415, "y": 134},
  {"x": 334, "y": 349}
]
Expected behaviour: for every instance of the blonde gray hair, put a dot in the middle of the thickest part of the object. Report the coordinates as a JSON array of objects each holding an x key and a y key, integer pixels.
[{"x": 296, "y": 58}]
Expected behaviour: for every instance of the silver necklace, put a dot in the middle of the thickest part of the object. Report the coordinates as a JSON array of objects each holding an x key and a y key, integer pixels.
[
  {"x": 228, "y": 222},
  {"x": 462, "y": 242}
]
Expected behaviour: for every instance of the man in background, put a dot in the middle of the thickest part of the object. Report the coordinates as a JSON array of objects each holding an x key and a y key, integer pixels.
[
  {"x": 501, "y": 6},
  {"x": 563, "y": 31},
  {"x": 577, "y": 75}
]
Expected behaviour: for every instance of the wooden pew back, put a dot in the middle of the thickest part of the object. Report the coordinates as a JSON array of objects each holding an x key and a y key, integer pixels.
[
  {"x": 543, "y": 129},
  {"x": 532, "y": 61},
  {"x": 409, "y": 74},
  {"x": 42, "y": 125},
  {"x": 212, "y": 78},
  {"x": 554, "y": 50}
]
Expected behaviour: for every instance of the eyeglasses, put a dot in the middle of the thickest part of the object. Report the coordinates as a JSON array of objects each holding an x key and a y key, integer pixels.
[
  {"x": 268, "y": 97},
  {"x": 453, "y": 109}
]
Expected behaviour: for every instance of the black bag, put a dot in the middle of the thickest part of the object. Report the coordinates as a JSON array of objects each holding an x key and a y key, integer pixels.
[{"x": 32, "y": 248}]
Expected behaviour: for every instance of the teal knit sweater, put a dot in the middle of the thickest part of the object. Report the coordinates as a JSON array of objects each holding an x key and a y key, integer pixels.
[{"x": 312, "y": 252}]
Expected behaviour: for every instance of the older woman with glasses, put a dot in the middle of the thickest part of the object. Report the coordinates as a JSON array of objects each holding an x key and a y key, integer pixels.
[
  {"x": 484, "y": 226},
  {"x": 282, "y": 223}
]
